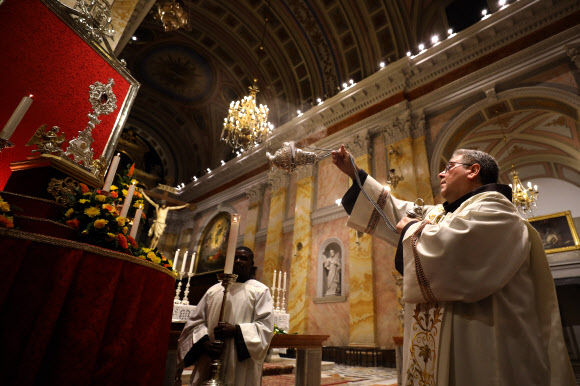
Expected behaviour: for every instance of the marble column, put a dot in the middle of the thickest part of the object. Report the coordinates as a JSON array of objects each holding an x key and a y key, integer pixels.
[
  {"x": 300, "y": 263},
  {"x": 362, "y": 306},
  {"x": 255, "y": 196},
  {"x": 274, "y": 235}
]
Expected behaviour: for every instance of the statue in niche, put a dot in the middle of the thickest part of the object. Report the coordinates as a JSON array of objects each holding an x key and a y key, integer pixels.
[
  {"x": 332, "y": 265},
  {"x": 158, "y": 227}
]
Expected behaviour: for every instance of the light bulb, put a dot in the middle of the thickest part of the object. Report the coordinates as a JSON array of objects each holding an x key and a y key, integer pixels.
[
  {"x": 408, "y": 53},
  {"x": 450, "y": 31},
  {"x": 382, "y": 64},
  {"x": 435, "y": 39},
  {"x": 421, "y": 47}
]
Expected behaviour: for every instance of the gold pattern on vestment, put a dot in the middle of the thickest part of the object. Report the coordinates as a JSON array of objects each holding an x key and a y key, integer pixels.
[
  {"x": 374, "y": 220},
  {"x": 423, "y": 348},
  {"x": 421, "y": 278}
]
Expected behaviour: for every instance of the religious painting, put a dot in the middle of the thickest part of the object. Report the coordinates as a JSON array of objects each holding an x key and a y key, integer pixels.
[
  {"x": 557, "y": 232},
  {"x": 330, "y": 283},
  {"x": 213, "y": 245}
]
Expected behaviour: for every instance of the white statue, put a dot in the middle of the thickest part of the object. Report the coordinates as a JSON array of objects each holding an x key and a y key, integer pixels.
[
  {"x": 333, "y": 265},
  {"x": 158, "y": 227}
]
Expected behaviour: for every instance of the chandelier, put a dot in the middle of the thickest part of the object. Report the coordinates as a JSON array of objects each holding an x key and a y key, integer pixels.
[
  {"x": 173, "y": 15},
  {"x": 523, "y": 198},
  {"x": 246, "y": 125}
]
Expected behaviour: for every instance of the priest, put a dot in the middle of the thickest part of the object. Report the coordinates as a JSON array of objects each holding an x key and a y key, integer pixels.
[
  {"x": 480, "y": 300},
  {"x": 246, "y": 332}
]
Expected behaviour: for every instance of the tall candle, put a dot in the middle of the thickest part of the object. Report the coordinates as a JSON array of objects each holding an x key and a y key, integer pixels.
[
  {"x": 128, "y": 200},
  {"x": 184, "y": 260},
  {"x": 232, "y": 243},
  {"x": 274, "y": 281},
  {"x": 192, "y": 261},
  {"x": 16, "y": 117},
  {"x": 136, "y": 221},
  {"x": 284, "y": 286},
  {"x": 112, "y": 172},
  {"x": 175, "y": 259},
  {"x": 280, "y": 279}
]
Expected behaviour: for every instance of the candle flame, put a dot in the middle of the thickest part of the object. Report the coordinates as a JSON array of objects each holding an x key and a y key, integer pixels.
[{"x": 30, "y": 96}]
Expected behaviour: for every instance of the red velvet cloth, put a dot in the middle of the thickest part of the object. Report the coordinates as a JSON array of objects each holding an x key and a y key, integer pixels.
[
  {"x": 70, "y": 316},
  {"x": 42, "y": 56}
]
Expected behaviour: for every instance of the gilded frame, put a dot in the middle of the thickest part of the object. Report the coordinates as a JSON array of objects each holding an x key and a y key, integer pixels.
[
  {"x": 213, "y": 245},
  {"x": 557, "y": 231}
]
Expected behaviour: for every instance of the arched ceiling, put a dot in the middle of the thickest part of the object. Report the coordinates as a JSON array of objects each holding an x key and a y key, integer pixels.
[{"x": 311, "y": 47}]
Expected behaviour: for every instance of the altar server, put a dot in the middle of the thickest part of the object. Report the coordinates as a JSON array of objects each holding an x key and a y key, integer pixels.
[
  {"x": 247, "y": 331},
  {"x": 480, "y": 300}
]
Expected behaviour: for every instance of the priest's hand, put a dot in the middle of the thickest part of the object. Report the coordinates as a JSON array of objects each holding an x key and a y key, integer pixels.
[
  {"x": 213, "y": 349},
  {"x": 404, "y": 221},
  {"x": 341, "y": 158},
  {"x": 224, "y": 330}
]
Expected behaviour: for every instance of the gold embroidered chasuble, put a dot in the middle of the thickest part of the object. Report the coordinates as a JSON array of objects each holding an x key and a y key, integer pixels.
[{"x": 480, "y": 301}]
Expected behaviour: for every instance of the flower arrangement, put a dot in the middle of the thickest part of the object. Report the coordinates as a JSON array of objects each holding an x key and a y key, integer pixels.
[
  {"x": 95, "y": 216},
  {"x": 6, "y": 216},
  {"x": 121, "y": 188}
]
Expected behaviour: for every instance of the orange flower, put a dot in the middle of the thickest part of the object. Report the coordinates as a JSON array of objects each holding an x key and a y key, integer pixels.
[
  {"x": 6, "y": 222},
  {"x": 114, "y": 194},
  {"x": 73, "y": 223},
  {"x": 111, "y": 209},
  {"x": 132, "y": 241},
  {"x": 122, "y": 241},
  {"x": 131, "y": 170},
  {"x": 84, "y": 188}
]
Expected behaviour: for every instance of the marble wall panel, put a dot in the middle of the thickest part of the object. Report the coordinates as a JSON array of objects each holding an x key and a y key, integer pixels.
[
  {"x": 274, "y": 237},
  {"x": 251, "y": 226},
  {"x": 422, "y": 173},
  {"x": 291, "y": 196},
  {"x": 403, "y": 163},
  {"x": 559, "y": 74},
  {"x": 241, "y": 207},
  {"x": 120, "y": 14},
  {"x": 331, "y": 185},
  {"x": 259, "y": 253},
  {"x": 265, "y": 208},
  {"x": 380, "y": 167},
  {"x": 386, "y": 304},
  {"x": 329, "y": 318}
]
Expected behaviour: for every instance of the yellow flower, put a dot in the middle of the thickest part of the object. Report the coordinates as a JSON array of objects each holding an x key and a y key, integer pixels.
[
  {"x": 69, "y": 212},
  {"x": 87, "y": 193},
  {"x": 121, "y": 221},
  {"x": 100, "y": 197},
  {"x": 85, "y": 232},
  {"x": 111, "y": 236},
  {"x": 146, "y": 250},
  {"x": 82, "y": 200},
  {"x": 125, "y": 229},
  {"x": 4, "y": 206},
  {"x": 124, "y": 191},
  {"x": 154, "y": 257},
  {"x": 137, "y": 205},
  {"x": 100, "y": 223},
  {"x": 113, "y": 187},
  {"x": 92, "y": 211},
  {"x": 141, "y": 257}
]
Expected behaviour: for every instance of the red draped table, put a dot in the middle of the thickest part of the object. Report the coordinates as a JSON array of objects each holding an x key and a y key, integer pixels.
[{"x": 75, "y": 314}]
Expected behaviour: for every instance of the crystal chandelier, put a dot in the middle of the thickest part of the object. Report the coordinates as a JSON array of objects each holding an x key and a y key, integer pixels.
[
  {"x": 173, "y": 15},
  {"x": 523, "y": 198},
  {"x": 246, "y": 125}
]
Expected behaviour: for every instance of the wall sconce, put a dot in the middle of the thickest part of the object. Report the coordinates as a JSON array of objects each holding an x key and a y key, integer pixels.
[
  {"x": 298, "y": 248},
  {"x": 392, "y": 178}
]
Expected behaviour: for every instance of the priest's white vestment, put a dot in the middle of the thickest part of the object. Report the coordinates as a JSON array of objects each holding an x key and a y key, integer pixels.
[
  {"x": 480, "y": 300},
  {"x": 249, "y": 305}
]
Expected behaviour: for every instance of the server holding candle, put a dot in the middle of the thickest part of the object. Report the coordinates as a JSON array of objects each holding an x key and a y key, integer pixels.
[{"x": 246, "y": 332}]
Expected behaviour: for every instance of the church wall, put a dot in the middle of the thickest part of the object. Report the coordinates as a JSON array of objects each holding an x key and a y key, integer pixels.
[
  {"x": 259, "y": 253},
  {"x": 265, "y": 208},
  {"x": 329, "y": 318},
  {"x": 331, "y": 184},
  {"x": 291, "y": 196},
  {"x": 556, "y": 74},
  {"x": 241, "y": 207}
]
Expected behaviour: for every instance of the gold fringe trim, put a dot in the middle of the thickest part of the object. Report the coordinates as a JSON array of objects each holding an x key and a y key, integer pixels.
[
  {"x": 83, "y": 247},
  {"x": 31, "y": 198}
]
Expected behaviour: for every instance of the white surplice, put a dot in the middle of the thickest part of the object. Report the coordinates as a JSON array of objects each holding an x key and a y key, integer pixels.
[
  {"x": 248, "y": 305},
  {"x": 480, "y": 300}
]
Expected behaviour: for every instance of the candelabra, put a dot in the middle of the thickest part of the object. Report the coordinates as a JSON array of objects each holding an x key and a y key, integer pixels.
[
  {"x": 186, "y": 293},
  {"x": 216, "y": 378},
  {"x": 178, "y": 290},
  {"x": 283, "y": 306},
  {"x": 523, "y": 199}
]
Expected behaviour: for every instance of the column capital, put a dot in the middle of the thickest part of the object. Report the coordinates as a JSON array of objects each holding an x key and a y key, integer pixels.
[
  {"x": 278, "y": 179},
  {"x": 255, "y": 194},
  {"x": 359, "y": 145},
  {"x": 574, "y": 55}
]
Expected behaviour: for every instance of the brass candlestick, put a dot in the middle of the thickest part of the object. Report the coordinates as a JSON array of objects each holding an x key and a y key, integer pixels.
[{"x": 216, "y": 378}]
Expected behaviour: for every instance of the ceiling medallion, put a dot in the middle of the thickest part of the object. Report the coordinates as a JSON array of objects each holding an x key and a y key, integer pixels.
[
  {"x": 246, "y": 125},
  {"x": 173, "y": 15}
]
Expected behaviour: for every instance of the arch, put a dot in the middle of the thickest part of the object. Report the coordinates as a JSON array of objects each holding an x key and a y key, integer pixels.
[{"x": 540, "y": 104}]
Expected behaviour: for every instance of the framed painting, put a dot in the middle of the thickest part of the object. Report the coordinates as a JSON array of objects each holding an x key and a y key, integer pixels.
[
  {"x": 213, "y": 245},
  {"x": 557, "y": 232}
]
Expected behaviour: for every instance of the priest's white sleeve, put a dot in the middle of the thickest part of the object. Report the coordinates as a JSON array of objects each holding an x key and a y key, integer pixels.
[
  {"x": 194, "y": 330},
  {"x": 258, "y": 333},
  {"x": 365, "y": 217},
  {"x": 468, "y": 256}
]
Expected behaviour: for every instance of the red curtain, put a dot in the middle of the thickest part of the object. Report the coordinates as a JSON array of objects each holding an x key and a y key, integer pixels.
[{"x": 72, "y": 314}]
